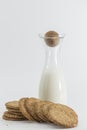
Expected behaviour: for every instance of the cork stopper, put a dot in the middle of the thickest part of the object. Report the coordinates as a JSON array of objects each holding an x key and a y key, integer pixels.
[{"x": 52, "y": 38}]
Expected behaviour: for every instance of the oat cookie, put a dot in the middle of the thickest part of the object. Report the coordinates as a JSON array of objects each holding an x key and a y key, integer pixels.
[
  {"x": 39, "y": 108},
  {"x": 23, "y": 109},
  {"x": 12, "y": 119},
  {"x": 30, "y": 105},
  {"x": 15, "y": 113},
  {"x": 12, "y": 105},
  {"x": 62, "y": 115},
  {"x": 38, "y": 112},
  {"x": 44, "y": 110},
  {"x": 12, "y": 116},
  {"x": 13, "y": 110}
]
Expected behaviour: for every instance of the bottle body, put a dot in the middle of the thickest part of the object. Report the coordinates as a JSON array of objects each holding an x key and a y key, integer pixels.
[{"x": 53, "y": 86}]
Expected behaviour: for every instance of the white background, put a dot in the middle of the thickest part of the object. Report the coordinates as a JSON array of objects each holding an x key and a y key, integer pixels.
[{"x": 22, "y": 53}]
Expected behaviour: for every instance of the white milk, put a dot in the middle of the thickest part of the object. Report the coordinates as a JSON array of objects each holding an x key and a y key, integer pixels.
[{"x": 53, "y": 86}]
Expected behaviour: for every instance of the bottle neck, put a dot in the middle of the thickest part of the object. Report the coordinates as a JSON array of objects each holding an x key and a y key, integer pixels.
[{"x": 52, "y": 57}]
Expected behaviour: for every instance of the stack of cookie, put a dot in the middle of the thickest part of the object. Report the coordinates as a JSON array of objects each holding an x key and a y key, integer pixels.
[
  {"x": 13, "y": 112},
  {"x": 33, "y": 109}
]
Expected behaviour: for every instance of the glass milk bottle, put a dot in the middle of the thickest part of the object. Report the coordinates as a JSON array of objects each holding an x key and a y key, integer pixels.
[{"x": 52, "y": 84}]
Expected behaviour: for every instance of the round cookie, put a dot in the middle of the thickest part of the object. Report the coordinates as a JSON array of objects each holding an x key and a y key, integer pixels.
[
  {"x": 30, "y": 106},
  {"x": 38, "y": 110},
  {"x": 44, "y": 110},
  {"x": 12, "y": 119},
  {"x": 13, "y": 110},
  {"x": 15, "y": 113},
  {"x": 12, "y": 116},
  {"x": 23, "y": 109},
  {"x": 62, "y": 115},
  {"x": 12, "y": 105}
]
